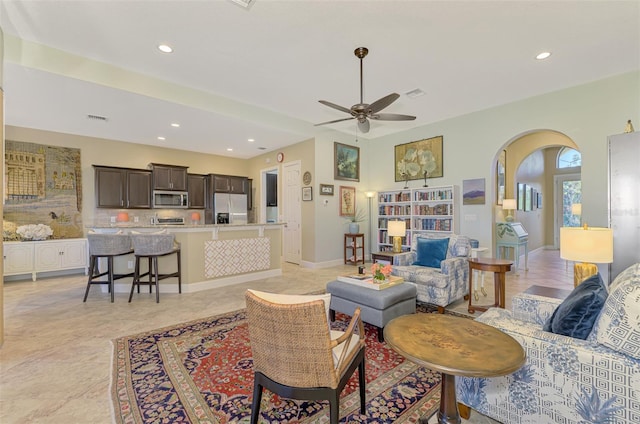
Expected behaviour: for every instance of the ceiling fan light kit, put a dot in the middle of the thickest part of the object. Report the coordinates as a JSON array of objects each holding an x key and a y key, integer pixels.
[{"x": 362, "y": 111}]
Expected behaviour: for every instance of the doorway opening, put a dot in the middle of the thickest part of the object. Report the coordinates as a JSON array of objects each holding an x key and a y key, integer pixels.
[{"x": 269, "y": 195}]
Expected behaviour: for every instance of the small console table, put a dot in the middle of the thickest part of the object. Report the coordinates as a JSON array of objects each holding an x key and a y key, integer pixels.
[
  {"x": 353, "y": 248},
  {"x": 499, "y": 267}
]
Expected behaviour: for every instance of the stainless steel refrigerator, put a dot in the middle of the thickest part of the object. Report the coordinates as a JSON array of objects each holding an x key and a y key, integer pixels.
[
  {"x": 232, "y": 208},
  {"x": 624, "y": 200}
]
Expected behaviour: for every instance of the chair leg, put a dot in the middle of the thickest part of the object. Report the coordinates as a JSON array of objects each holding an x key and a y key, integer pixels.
[
  {"x": 150, "y": 273},
  {"x": 255, "y": 403},
  {"x": 110, "y": 270},
  {"x": 136, "y": 278},
  {"x": 361, "y": 382},
  {"x": 334, "y": 407},
  {"x": 179, "y": 273},
  {"x": 157, "y": 281},
  {"x": 92, "y": 264}
]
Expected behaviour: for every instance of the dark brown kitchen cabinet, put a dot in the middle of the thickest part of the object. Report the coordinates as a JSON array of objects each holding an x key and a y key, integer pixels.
[
  {"x": 126, "y": 188},
  {"x": 229, "y": 184},
  {"x": 169, "y": 177},
  {"x": 197, "y": 191}
]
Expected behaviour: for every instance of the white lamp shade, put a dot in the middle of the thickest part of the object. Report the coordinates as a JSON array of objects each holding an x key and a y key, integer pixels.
[
  {"x": 509, "y": 204},
  {"x": 370, "y": 194},
  {"x": 592, "y": 244},
  {"x": 397, "y": 228}
]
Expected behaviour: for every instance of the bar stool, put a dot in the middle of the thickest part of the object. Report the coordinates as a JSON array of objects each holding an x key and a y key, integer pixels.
[
  {"x": 106, "y": 246},
  {"x": 152, "y": 247}
]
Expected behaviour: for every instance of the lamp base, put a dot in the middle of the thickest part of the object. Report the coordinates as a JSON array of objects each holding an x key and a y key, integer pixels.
[
  {"x": 582, "y": 271},
  {"x": 509, "y": 218},
  {"x": 397, "y": 244}
]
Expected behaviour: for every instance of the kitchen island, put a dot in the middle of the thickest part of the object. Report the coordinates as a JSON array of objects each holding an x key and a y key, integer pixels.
[{"x": 212, "y": 255}]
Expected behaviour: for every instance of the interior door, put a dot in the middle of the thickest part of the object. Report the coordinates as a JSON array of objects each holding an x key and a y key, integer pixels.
[
  {"x": 568, "y": 191},
  {"x": 292, "y": 212}
]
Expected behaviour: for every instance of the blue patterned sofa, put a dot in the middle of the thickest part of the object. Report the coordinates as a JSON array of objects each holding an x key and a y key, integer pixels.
[
  {"x": 442, "y": 285},
  {"x": 566, "y": 380}
]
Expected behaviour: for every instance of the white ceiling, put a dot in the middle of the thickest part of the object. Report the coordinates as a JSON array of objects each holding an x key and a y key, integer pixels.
[{"x": 259, "y": 73}]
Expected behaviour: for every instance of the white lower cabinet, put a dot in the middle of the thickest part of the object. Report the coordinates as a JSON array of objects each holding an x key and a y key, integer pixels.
[{"x": 42, "y": 256}]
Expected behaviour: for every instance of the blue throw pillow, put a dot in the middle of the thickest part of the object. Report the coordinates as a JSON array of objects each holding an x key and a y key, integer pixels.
[
  {"x": 577, "y": 314},
  {"x": 430, "y": 252}
]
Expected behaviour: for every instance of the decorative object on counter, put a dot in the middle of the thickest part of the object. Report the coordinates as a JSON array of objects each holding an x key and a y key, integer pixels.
[
  {"x": 509, "y": 205},
  {"x": 346, "y": 164},
  {"x": 380, "y": 272},
  {"x": 414, "y": 158},
  {"x": 307, "y": 193},
  {"x": 629, "y": 127},
  {"x": 397, "y": 230},
  {"x": 326, "y": 189},
  {"x": 195, "y": 217},
  {"x": 34, "y": 232},
  {"x": 122, "y": 217}
]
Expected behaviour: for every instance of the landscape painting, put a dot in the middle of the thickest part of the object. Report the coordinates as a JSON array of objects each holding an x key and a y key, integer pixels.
[{"x": 473, "y": 192}]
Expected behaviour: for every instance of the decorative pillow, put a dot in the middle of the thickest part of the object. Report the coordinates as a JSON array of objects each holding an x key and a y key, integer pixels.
[
  {"x": 577, "y": 314},
  {"x": 431, "y": 252},
  {"x": 619, "y": 324}
]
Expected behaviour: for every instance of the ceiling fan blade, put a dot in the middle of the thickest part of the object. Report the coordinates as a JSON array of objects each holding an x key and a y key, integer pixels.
[
  {"x": 380, "y": 104},
  {"x": 335, "y": 106},
  {"x": 392, "y": 117},
  {"x": 334, "y": 121},
  {"x": 363, "y": 126}
]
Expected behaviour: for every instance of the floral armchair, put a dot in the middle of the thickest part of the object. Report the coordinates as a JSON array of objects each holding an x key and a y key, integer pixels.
[
  {"x": 565, "y": 379},
  {"x": 443, "y": 283}
]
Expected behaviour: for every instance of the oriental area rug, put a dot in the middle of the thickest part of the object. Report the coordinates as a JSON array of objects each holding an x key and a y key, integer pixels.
[{"x": 202, "y": 372}]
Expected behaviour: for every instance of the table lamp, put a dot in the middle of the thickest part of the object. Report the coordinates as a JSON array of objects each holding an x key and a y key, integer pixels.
[
  {"x": 397, "y": 230},
  {"x": 509, "y": 205},
  {"x": 585, "y": 245}
]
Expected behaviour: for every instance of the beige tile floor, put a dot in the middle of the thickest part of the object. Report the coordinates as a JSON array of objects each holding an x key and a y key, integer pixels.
[{"x": 55, "y": 364}]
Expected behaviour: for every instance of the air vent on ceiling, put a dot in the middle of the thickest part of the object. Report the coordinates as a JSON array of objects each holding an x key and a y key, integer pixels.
[
  {"x": 97, "y": 118},
  {"x": 414, "y": 93},
  {"x": 262, "y": 148},
  {"x": 244, "y": 3}
]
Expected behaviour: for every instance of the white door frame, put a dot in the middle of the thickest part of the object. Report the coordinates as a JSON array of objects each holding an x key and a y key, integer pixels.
[{"x": 558, "y": 179}]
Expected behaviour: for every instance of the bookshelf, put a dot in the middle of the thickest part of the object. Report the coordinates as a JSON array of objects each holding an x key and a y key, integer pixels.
[{"x": 424, "y": 210}]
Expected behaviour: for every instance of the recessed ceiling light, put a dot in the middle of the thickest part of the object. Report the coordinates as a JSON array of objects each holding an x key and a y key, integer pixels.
[
  {"x": 161, "y": 138},
  {"x": 229, "y": 149},
  {"x": 543, "y": 55},
  {"x": 250, "y": 140},
  {"x": 165, "y": 48},
  {"x": 175, "y": 125}
]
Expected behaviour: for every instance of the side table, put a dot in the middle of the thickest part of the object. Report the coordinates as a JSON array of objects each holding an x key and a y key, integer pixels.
[
  {"x": 353, "y": 248},
  {"x": 384, "y": 257},
  {"x": 499, "y": 267}
]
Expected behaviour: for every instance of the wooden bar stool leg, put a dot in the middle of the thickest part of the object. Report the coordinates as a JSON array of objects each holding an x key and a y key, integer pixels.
[
  {"x": 92, "y": 263},
  {"x": 150, "y": 273},
  {"x": 179, "y": 273},
  {"x": 136, "y": 278},
  {"x": 110, "y": 271},
  {"x": 157, "y": 282}
]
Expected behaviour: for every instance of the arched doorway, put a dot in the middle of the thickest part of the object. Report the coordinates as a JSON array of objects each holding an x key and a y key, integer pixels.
[{"x": 531, "y": 177}]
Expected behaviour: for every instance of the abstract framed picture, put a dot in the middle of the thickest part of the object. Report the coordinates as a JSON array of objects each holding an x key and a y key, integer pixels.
[
  {"x": 347, "y": 201},
  {"x": 326, "y": 189},
  {"x": 473, "y": 192},
  {"x": 307, "y": 193},
  {"x": 419, "y": 159},
  {"x": 501, "y": 171},
  {"x": 346, "y": 162}
]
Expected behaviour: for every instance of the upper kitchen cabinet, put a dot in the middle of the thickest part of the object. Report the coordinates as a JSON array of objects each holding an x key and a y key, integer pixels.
[
  {"x": 169, "y": 177},
  {"x": 229, "y": 184},
  {"x": 197, "y": 191},
  {"x": 122, "y": 188}
]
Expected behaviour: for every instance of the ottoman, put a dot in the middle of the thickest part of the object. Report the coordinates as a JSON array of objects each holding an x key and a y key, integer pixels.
[{"x": 378, "y": 307}]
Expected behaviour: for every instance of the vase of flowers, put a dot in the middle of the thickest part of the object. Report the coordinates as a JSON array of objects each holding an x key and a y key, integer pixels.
[
  {"x": 380, "y": 272},
  {"x": 34, "y": 232}
]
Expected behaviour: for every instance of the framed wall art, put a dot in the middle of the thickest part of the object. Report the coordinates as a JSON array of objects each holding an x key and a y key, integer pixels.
[
  {"x": 307, "y": 193},
  {"x": 527, "y": 198},
  {"x": 521, "y": 190},
  {"x": 419, "y": 159},
  {"x": 501, "y": 171},
  {"x": 473, "y": 192},
  {"x": 326, "y": 189},
  {"x": 346, "y": 162},
  {"x": 347, "y": 201}
]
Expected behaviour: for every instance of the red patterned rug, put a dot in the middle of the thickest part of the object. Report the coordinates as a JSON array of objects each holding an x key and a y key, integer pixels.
[{"x": 201, "y": 372}]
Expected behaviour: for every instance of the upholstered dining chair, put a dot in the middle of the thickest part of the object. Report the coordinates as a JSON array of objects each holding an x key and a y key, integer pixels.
[{"x": 295, "y": 353}]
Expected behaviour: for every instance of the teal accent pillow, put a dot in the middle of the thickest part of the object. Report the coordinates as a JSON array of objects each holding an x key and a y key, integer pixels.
[
  {"x": 578, "y": 313},
  {"x": 430, "y": 252}
]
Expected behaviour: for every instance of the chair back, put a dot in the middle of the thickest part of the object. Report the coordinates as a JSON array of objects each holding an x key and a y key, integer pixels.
[
  {"x": 108, "y": 244},
  {"x": 152, "y": 244},
  {"x": 291, "y": 343}
]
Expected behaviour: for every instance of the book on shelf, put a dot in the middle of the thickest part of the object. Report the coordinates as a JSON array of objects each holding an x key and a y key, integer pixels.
[{"x": 368, "y": 282}]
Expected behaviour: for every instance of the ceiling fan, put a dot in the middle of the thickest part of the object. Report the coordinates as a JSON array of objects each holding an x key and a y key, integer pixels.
[{"x": 363, "y": 111}]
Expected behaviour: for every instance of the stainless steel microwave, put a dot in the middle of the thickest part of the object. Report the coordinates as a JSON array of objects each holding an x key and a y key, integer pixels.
[{"x": 170, "y": 199}]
